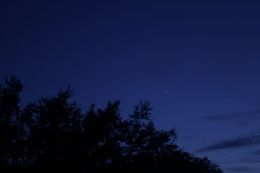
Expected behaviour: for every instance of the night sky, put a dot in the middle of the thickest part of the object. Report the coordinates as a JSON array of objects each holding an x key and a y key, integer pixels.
[{"x": 196, "y": 61}]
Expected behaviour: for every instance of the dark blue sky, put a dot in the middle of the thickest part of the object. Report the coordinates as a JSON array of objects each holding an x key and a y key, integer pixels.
[{"x": 197, "y": 62}]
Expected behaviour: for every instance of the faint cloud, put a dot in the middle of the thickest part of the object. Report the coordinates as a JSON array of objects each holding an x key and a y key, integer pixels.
[
  {"x": 241, "y": 117},
  {"x": 257, "y": 152},
  {"x": 248, "y": 140},
  {"x": 240, "y": 169},
  {"x": 251, "y": 159},
  {"x": 235, "y": 115}
]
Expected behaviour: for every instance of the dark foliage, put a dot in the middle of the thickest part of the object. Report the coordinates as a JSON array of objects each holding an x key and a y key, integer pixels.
[{"x": 54, "y": 135}]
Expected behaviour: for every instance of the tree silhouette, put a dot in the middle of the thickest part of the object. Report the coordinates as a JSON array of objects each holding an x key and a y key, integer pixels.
[
  {"x": 10, "y": 134},
  {"x": 54, "y": 134}
]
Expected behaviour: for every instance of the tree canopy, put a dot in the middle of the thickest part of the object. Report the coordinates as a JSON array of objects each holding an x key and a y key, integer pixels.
[{"x": 54, "y": 134}]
